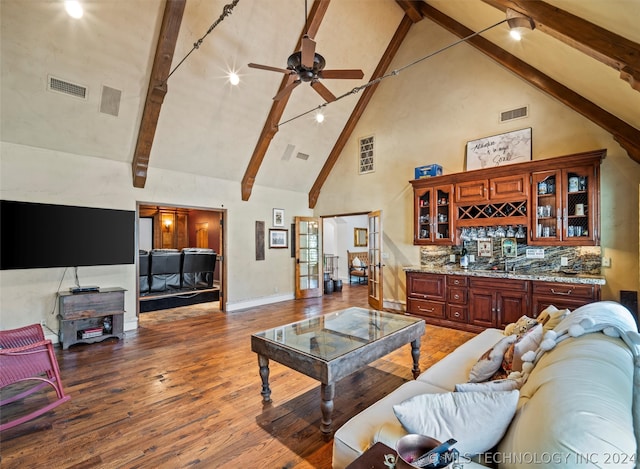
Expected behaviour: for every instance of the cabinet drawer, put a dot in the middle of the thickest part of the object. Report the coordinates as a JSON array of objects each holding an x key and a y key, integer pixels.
[
  {"x": 457, "y": 280},
  {"x": 426, "y": 286},
  {"x": 457, "y": 313},
  {"x": 457, "y": 296},
  {"x": 431, "y": 309},
  {"x": 567, "y": 290},
  {"x": 509, "y": 187},
  {"x": 472, "y": 191},
  {"x": 496, "y": 284}
]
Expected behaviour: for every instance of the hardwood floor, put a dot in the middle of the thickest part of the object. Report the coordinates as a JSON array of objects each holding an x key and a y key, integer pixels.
[{"x": 186, "y": 393}]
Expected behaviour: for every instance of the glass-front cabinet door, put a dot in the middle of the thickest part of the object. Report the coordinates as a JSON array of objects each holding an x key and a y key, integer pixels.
[
  {"x": 433, "y": 208},
  {"x": 564, "y": 207},
  {"x": 546, "y": 211}
]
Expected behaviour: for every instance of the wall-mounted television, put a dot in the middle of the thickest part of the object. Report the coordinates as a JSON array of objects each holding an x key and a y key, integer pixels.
[{"x": 34, "y": 235}]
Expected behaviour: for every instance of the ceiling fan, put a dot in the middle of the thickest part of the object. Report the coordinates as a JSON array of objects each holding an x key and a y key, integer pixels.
[{"x": 307, "y": 66}]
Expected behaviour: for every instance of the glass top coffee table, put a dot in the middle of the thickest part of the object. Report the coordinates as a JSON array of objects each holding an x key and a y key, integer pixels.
[{"x": 332, "y": 346}]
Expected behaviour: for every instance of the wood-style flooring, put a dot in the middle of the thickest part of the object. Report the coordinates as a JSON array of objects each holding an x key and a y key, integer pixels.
[{"x": 186, "y": 393}]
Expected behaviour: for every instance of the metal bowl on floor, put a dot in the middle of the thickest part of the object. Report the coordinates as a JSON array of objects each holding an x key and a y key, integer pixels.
[{"x": 411, "y": 447}]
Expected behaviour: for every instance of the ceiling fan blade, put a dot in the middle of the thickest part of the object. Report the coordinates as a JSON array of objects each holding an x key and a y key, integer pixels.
[
  {"x": 268, "y": 67},
  {"x": 286, "y": 90},
  {"x": 308, "y": 51},
  {"x": 345, "y": 74},
  {"x": 323, "y": 91}
]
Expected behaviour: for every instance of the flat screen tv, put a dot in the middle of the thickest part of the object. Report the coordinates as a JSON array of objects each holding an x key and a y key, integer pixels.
[{"x": 34, "y": 235}]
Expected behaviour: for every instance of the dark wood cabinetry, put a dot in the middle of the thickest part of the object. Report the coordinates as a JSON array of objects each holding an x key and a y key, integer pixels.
[
  {"x": 433, "y": 208},
  {"x": 559, "y": 206},
  {"x": 91, "y": 316},
  {"x": 497, "y": 302},
  {"x": 562, "y": 295},
  {"x": 426, "y": 294},
  {"x": 474, "y": 303}
]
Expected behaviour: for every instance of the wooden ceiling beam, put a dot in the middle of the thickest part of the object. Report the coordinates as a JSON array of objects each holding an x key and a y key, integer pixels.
[
  {"x": 607, "y": 47},
  {"x": 316, "y": 15},
  {"x": 626, "y": 135},
  {"x": 410, "y": 8},
  {"x": 165, "y": 48},
  {"x": 365, "y": 97}
]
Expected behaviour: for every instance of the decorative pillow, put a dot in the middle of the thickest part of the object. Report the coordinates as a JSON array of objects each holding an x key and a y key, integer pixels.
[
  {"x": 478, "y": 420},
  {"x": 551, "y": 317},
  {"x": 521, "y": 326},
  {"x": 356, "y": 262},
  {"x": 525, "y": 343},
  {"x": 497, "y": 385},
  {"x": 490, "y": 361}
]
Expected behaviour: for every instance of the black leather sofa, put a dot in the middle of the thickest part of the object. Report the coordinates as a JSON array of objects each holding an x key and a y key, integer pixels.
[{"x": 170, "y": 271}]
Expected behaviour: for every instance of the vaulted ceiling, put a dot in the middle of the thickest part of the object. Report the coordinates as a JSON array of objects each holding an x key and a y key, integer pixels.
[{"x": 585, "y": 54}]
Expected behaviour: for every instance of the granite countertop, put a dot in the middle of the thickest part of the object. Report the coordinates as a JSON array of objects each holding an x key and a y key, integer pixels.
[{"x": 454, "y": 269}]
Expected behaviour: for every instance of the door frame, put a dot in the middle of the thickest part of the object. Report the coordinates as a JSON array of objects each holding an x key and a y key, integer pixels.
[{"x": 220, "y": 262}]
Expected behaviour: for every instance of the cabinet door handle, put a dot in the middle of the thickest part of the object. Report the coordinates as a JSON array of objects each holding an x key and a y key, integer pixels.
[
  {"x": 456, "y": 314},
  {"x": 456, "y": 282},
  {"x": 428, "y": 310},
  {"x": 456, "y": 296},
  {"x": 562, "y": 293}
]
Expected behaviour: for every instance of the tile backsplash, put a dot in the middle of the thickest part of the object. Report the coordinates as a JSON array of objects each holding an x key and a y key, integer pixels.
[{"x": 581, "y": 259}]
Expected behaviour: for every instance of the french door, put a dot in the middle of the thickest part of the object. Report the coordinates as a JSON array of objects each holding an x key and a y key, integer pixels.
[
  {"x": 308, "y": 275},
  {"x": 375, "y": 260}
]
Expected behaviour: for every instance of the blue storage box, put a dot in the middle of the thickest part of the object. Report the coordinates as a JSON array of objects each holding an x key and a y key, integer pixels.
[{"x": 428, "y": 171}]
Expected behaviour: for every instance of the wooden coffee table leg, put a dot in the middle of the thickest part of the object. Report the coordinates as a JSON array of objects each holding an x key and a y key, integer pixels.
[
  {"x": 263, "y": 362},
  {"x": 415, "y": 354},
  {"x": 327, "y": 392}
]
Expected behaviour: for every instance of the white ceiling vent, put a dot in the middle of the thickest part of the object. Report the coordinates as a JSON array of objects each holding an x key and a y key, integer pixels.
[
  {"x": 519, "y": 113},
  {"x": 110, "y": 102},
  {"x": 66, "y": 87},
  {"x": 286, "y": 156},
  {"x": 302, "y": 156}
]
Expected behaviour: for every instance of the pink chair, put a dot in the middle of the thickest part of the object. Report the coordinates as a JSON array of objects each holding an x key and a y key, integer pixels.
[{"x": 25, "y": 355}]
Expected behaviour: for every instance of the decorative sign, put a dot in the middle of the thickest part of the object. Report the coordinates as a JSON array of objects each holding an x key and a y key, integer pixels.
[
  {"x": 499, "y": 150},
  {"x": 485, "y": 247},
  {"x": 535, "y": 253}
]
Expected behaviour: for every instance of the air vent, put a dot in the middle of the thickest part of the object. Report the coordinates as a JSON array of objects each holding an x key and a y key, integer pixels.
[
  {"x": 366, "y": 155},
  {"x": 110, "y": 102},
  {"x": 286, "y": 156},
  {"x": 66, "y": 87},
  {"x": 512, "y": 114},
  {"x": 302, "y": 156}
]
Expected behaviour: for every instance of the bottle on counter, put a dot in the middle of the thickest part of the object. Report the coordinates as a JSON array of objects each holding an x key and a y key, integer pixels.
[{"x": 464, "y": 259}]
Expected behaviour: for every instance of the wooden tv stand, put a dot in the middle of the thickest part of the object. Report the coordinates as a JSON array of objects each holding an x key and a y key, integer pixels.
[{"x": 79, "y": 312}]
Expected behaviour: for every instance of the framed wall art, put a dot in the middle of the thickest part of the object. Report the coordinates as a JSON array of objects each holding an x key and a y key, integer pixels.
[
  {"x": 499, "y": 150},
  {"x": 278, "y": 238},
  {"x": 278, "y": 217}
]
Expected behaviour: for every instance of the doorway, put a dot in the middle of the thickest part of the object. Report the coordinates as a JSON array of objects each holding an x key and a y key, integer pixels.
[
  {"x": 340, "y": 233},
  {"x": 181, "y": 258}
]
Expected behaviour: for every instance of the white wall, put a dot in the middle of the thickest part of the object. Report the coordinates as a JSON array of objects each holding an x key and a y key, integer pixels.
[
  {"x": 338, "y": 239},
  {"x": 428, "y": 113},
  {"x": 38, "y": 175}
]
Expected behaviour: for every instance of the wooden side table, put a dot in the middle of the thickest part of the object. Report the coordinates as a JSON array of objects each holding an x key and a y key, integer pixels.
[{"x": 374, "y": 458}]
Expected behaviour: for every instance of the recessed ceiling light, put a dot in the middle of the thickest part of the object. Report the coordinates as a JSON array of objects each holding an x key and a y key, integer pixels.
[
  {"x": 74, "y": 9},
  {"x": 319, "y": 117},
  {"x": 234, "y": 79}
]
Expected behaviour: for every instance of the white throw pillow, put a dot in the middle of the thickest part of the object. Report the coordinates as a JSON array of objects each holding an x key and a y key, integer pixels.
[
  {"x": 478, "y": 420},
  {"x": 490, "y": 361},
  {"x": 529, "y": 341},
  {"x": 356, "y": 262}
]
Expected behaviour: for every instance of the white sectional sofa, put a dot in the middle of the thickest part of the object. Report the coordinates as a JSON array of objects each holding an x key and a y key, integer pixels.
[{"x": 575, "y": 409}]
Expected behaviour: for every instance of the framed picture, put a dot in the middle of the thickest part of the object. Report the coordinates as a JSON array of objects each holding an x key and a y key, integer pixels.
[
  {"x": 499, "y": 150},
  {"x": 509, "y": 247},
  {"x": 278, "y": 217},
  {"x": 485, "y": 247},
  {"x": 278, "y": 238}
]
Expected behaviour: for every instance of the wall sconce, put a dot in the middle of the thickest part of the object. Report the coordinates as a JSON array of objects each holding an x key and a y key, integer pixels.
[
  {"x": 519, "y": 24},
  {"x": 167, "y": 224}
]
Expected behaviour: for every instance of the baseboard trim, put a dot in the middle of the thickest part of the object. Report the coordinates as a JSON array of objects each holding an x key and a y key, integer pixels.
[{"x": 258, "y": 302}]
